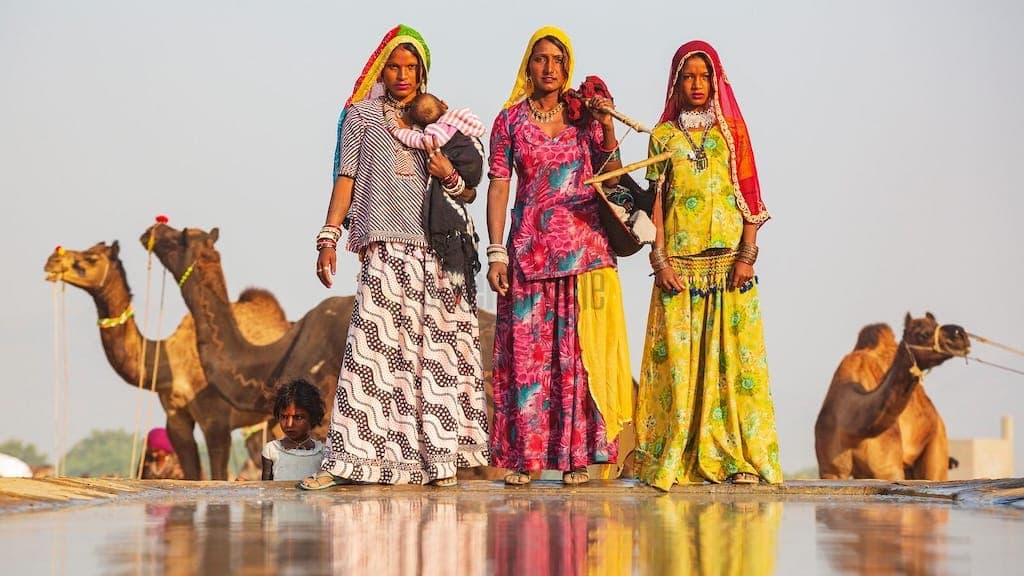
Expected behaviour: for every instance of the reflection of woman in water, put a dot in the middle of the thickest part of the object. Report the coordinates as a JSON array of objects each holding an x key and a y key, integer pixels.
[
  {"x": 708, "y": 538},
  {"x": 408, "y": 534}
]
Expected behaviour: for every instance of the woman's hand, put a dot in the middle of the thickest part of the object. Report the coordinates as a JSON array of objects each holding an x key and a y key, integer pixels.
[
  {"x": 497, "y": 277},
  {"x": 597, "y": 106},
  {"x": 741, "y": 274},
  {"x": 438, "y": 164},
  {"x": 668, "y": 281},
  {"x": 326, "y": 265}
]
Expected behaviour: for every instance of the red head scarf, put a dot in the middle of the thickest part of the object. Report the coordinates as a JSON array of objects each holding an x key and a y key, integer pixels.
[
  {"x": 158, "y": 439},
  {"x": 730, "y": 120}
]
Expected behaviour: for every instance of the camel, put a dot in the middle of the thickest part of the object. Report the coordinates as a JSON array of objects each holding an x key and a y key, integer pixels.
[
  {"x": 180, "y": 384},
  {"x": 247, "y": 374},
  {"x": 876, "y": 420},
  {"x": 883, "y": 539}
]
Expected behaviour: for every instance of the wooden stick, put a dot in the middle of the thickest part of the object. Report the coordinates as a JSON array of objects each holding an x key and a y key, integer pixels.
[
  {"x": 626, "y": 119},
  {"x": 629, "y": 168}
]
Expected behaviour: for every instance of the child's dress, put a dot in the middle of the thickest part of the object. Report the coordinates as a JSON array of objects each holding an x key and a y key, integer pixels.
[{"x": 293, "y": 463}]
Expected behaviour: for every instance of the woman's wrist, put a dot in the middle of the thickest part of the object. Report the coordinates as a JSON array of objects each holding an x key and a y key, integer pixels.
[
  {"x": 497, "y": 253},
  {"x": 747, "y": 253},
  {"x": 328, "y": 237},
  {"x": 659, "y": 259}
]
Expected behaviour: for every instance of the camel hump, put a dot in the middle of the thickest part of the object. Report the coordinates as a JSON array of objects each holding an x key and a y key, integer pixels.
[
  {"x": 262, "y": 300},
  {"x": 258, "y": 296},
  {"x": 874, "y": 336}
]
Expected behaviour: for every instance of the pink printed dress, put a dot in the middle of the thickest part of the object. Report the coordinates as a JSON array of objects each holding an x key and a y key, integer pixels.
[{"x": 544, "y": 416}]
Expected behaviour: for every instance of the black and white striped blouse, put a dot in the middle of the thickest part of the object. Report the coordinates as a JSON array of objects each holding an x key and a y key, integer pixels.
[{"x": 390, "y": 186}]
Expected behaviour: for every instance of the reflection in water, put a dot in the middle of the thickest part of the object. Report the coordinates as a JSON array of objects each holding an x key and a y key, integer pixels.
[
  {"x": 884, "y": 539},
  {"x": 408, "y": 535},
  {"x": 551, "y": 536},
  {"x": 226, "y": 538},
  {"x": 487, "y": 529},
  {"x": 710, "y": 538}
]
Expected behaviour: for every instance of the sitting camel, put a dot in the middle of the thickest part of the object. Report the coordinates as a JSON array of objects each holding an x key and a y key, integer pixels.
[
  {"x": 180, "y": 383},
  {"x": 876, "y": 420}
]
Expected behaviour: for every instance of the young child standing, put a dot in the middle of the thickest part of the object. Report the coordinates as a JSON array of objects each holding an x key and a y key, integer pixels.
[{"x": 298, "y": 409}]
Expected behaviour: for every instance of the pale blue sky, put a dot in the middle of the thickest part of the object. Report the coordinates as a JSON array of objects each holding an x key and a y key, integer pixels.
[{"x": 886, "y": 134}]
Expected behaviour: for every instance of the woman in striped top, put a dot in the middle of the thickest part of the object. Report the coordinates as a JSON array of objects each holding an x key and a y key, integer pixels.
[{"x": 410, "y": 401}]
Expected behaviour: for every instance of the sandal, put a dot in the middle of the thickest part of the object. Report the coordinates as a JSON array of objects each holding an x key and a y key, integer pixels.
[
  {"x": 449, "y": 482},
  {"x": 322, "y": 480},
  {"x": 518, "y": 478},
  {"x": 576, "y": 477},
  {"x": 743, "y": 478}
]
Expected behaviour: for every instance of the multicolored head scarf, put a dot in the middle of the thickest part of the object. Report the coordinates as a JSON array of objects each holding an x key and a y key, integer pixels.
[
  {"x": 368, "y": 85},
  {"x": 521, "y": 89},
  {"x": 730, "y": 120}
]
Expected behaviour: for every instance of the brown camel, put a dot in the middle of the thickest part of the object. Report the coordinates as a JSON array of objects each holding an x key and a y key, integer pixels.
[
  {"x": 244, "y": 373},
  {"x": 882, "y": 538},
  {"x": 313, "y": 347},
  {"x": 180, "y": 383},
  {"x": 876, "y": 420}
]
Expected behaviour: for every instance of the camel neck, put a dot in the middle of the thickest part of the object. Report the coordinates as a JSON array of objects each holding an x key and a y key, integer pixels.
[
  {"x": 122, "y": 341},
  {"x": 892, "y": 395}
]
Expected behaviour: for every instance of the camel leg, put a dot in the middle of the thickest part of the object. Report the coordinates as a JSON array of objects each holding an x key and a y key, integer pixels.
[
  {"x": 179, "y": 430},
  {"x": 218, "y": 444},
  {"x": 933, "y": 464},
  {"x": 254, "y": 443},
  {"x": 880, "y": 458}
]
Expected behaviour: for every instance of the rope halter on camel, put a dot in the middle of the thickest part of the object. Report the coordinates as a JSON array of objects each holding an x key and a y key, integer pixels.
[{"x": 1009, "y": 349}]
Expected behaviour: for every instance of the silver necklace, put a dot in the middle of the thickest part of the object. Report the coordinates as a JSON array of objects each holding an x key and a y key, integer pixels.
[
  {"x": 694, "y": 119},
  {"x": 397, "y": 107},
  {"x": 698, "y": 156}
]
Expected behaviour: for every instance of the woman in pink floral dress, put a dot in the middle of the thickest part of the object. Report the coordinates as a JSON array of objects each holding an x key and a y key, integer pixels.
[{"x": 562, "y": 383}]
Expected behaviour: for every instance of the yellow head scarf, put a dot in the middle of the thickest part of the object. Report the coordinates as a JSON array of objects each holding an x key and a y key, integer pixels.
[{"x": 521, "y": 89}]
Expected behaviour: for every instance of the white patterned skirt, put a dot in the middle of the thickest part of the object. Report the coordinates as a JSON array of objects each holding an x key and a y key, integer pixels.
[{"x": 410, "y": 405}]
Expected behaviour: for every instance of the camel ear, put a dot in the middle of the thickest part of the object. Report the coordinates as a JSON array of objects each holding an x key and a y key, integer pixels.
[
  {"x": 115, "y": 249},
  {"x": 906, "y": 320},
  {"x": 929, "y": 315},
  {"x": 214, "y": 235}
]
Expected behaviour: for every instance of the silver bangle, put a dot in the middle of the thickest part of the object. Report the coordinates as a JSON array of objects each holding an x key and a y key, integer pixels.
[{"x": 493, "y": 257}]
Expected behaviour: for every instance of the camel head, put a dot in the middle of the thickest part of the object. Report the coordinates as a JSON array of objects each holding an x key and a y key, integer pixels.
[
  {"x": 180, "y": 251},
  {"x": 88, "y": 269},
  {"x": 932, "y": 343}
]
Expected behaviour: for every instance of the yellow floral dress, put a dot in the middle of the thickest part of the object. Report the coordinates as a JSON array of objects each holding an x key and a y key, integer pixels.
[{"x": 704, "y": 410}]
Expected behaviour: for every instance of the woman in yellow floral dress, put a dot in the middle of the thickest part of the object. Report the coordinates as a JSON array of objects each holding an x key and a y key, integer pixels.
[{"x": 704, "y": 410}]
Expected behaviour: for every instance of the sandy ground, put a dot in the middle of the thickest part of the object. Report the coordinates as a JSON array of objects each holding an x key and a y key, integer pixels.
[{"x": 24, "y": 494}]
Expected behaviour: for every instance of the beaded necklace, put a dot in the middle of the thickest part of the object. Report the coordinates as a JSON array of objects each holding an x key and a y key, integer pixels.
[
  {"x": 541, "y": 116},
  {"x": 394, "y": 105},
  {"x": 298, "y": 445}
]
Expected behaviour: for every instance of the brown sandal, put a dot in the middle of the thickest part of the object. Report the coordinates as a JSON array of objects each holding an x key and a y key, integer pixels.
[
  {"x": 743, "y": 478},
  {"x": 449, "y": 482},
  {"x": 518, "y": 478},
  {"x": 576, "y": 477}
]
